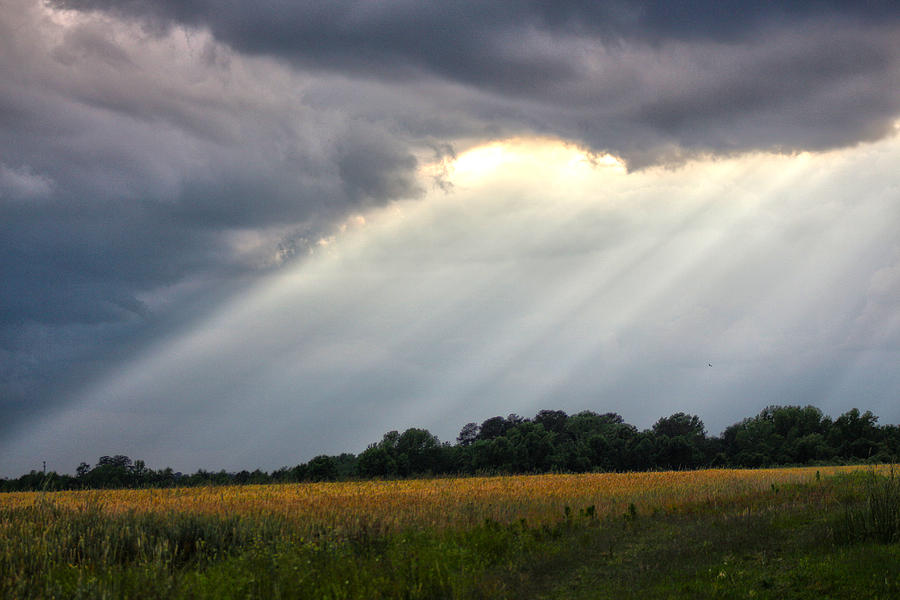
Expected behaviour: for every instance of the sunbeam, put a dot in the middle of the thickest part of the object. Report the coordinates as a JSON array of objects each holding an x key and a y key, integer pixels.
[{"x": 543, "y": 279}]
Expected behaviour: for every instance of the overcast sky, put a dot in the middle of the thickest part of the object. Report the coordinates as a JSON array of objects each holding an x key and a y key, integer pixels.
[{"x": 241, "y": 234}]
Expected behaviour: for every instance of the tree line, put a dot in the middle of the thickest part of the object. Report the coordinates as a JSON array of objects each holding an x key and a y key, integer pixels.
[{"x": 551, "y": 441}]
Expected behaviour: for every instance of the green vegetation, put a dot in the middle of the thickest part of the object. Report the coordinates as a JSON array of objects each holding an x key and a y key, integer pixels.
[
  {"x": 551, "y": 441},
  {"x": 797, "y": 543},
  {"x": 822, "y": 539},
  {"x": 878, "y": 518}
]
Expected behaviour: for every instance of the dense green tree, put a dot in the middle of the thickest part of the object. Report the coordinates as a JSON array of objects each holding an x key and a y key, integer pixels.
[
  {"x": 532, "y": 446},
  {"x": 551, "y": 441},
  {"x": 491, "y": 456},
  {"x": 855, "y": 435},
  {"x": 891, "y": 442},
  {"x": 322, "y": 468},
  {"x": 680, "y": 424},
  {"x": 552, "y": 420},
  {"x": 809, "y": 448},
  {"x": 468, "y": 434},
  {"x": 376, "y": 461},
  {"x": 642, "y": 452},
  {"x": 584, "y": 424},
  {"x": 680, "y": 442},
  {"x": 111, "y": 472},
  {"x": 493, "y": 428},
  {"x": 418, "y": 452},
  {"x": 751, "y": 443}
]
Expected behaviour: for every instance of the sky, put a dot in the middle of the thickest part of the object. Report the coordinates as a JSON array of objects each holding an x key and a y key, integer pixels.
[{"x": 238, "y": 235}]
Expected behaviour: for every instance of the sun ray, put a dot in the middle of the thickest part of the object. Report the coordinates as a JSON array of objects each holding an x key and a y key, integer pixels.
[{"x": 545, "y": 280}]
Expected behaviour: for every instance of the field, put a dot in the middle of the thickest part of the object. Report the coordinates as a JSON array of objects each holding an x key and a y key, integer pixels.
[{"x": 801, "y": 532}]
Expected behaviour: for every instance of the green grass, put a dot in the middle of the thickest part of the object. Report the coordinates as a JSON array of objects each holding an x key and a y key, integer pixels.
[
  {"x": 799, "y": 545},
  {"x": 807, "y": 541},
  {"x": 878, "y": 517},
  {"x": 789, "y": 553}
]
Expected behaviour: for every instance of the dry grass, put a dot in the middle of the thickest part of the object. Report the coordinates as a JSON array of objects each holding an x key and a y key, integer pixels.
[{"x": 442, "y": 503}]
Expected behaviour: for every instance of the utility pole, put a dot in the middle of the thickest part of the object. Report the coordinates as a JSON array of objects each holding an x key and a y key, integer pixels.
[{"x": 45, "y": 466}]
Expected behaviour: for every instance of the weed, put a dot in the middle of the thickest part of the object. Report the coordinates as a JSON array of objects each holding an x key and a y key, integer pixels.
[{"x": 877, "y": 518}]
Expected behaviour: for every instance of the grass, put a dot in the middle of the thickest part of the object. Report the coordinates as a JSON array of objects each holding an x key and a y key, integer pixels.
[
  {"x": 813, "y": 538},
  {"x": 785, "y": 553},
  {"x": 878, "y": 517}
]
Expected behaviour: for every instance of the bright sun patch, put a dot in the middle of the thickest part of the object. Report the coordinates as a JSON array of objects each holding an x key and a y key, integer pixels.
[
  {"x": 525, "y": 155},
  {"x": 481, "y": 160}
]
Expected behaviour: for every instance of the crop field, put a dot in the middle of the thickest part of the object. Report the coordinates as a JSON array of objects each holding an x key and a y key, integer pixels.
[
  {"x": 441, "y": 503},
  {"x": 726, "y": 533}
]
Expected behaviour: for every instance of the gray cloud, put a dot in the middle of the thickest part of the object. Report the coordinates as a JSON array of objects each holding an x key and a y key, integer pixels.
[
  {"x": 649, "y": 81},
  {"x": 132, "y": 164},
  {"x": 22, "y": 183}
]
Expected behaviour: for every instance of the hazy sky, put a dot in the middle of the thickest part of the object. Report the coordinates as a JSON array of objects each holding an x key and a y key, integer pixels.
[{"x": 240, "y": 234}]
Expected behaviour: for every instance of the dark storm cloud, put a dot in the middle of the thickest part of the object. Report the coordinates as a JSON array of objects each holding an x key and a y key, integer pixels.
[
  {"x": 131, "y": 164},
  {"x": 448, "y": 36},
  {"x": 649, "y": 81}
]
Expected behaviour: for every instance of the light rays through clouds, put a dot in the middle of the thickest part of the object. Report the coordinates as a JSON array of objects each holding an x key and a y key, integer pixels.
[
  {"x": 544, "y": 278},
  {"x": 238, "y": 234}
]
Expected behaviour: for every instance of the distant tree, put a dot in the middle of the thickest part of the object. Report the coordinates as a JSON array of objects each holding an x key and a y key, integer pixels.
[
  {"x": 680, "y": 424},
  {"x": 513, "y": 419},
  {"x": 376, "y": 461},
  {"x": 891, "y": 442},
  {"x": 418, "y": 452},
  {"x": 118, "y": 460},
  {"x": 346, "y": 465},
  {"x": 612, "y": 418},
  {"x": 493, "y": 428},
  {"x": 468, "y": 434},
  {"x": 679, "y": 452},
  {"x": 599, "y": 452},
  {"x": 299, "y": 472},
  {"x": 110, "y": 472},
  {"x": 584, "y": 424},
  {"x": 550, "y": 441},
  {"x": 140, "y": 474},
  {"x": 642, "y": 453},
  {"x": 810, "y": 447},
  {"x": 532, "y": 447},
  {"x": 322, "y": 468},
  {"x": 389, "y": 440},
  {"x": 794, "y": 421},
  {"x": 680, "y": 441},
  {"x": 856, "y": 435},
  {"x": 220, "y": 477},
  {"x": 552, "y": 420},
  {"x": 492, "y": 456},
  {"x": 282, "y": 475},
  {"x": 751, "y": 443}
]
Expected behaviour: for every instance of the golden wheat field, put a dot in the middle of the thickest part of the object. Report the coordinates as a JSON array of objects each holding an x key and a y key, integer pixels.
[{"x": 444, "y": 502}]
